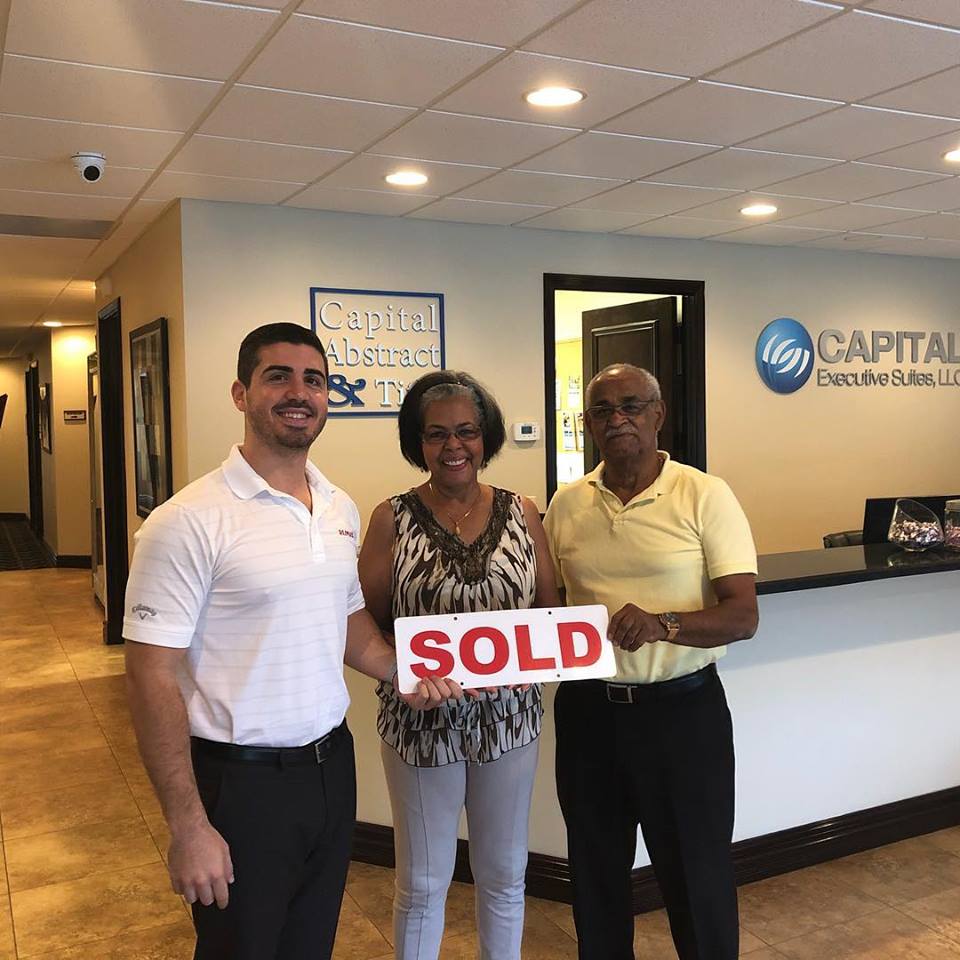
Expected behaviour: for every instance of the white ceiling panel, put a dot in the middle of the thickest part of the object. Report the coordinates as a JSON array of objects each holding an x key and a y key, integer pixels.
[
  {"x": 254, "y": 160},
  {"x": 476, "y": 211},
  {"x": 615, "y": 155},
  {"x": 926, "y": 155},
  {"x": 862, "y": 242},
  {"x": 164, "y": 36},
  {"x": 851, "y": 57},
  {"x": 367, "y": 172},
  {"x": 550, "y": 189},
  {"x": 498, "y": 92},
  {"x": 852, "y": 181},
  {"x": 852, "y": 133},
  {"x": 648, "y": 200},
  {"x": 729, "y": 208},
  {"x": 773, "y": 234},
  {"x": 939, "y": 226},
  {"x": 942, "y": 195},
  {"x": 715, "y": 113},
  {"x": 61, "y": 177},
  {"x": 364, "y": 63},
  {"x": 653, "y": 34},
  {"x": 946, "y": 12},
  {"x": 939, "y": 94},
  {"x": 322, "y": 197},
  {"x": 741, "y": 169},
  {"x": 251, "y": 113},
  {"x": 68, "y": 91},
  {"x": 690, "y": 228},
  {"x": 64, "y": 206},
  {"x": 459, "y": 139},
  {"x": 57, "y": 140},
  {"x": 503, "y": 22},
  {"x": 851, "y": 216},
  {"x": 170, "y": 185},
  {"x": 586, "y": 221}
]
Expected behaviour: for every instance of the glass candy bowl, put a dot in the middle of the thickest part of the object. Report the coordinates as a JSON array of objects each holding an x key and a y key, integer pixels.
[{"x": 914, "y": 527}]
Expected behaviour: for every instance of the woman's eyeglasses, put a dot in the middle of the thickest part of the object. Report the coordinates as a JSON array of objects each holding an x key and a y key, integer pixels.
[
  {"x": 436, "y": 436},
  {"x": 632, "y": 408}
]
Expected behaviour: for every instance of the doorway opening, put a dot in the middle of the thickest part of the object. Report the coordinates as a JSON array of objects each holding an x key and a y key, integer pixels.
[{"x": 591, "y": 322}]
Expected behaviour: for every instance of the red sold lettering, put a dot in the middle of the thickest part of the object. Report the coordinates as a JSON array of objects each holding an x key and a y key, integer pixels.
[
  {"x": 568, "y": 654},
  {"x": 468, "y": 651},
  {"x": 525, "y": 655},
  {"x": 419, "y": 647}
]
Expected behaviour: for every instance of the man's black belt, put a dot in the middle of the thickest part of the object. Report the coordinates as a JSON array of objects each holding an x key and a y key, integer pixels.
[
  {"x": 644, "y": 692},
  {"x": 315, "y": 752}
]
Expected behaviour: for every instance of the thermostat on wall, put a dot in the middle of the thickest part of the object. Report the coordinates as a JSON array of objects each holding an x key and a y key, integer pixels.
[{"x": 526, "y": 431}]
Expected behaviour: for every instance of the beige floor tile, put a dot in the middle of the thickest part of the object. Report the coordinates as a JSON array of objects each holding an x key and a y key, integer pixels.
[
  {"x": 97, "y": 662},
  {"x": 108, "y": 689},
  {"x": 45, "y": 674},
  {"x": 51, "y": 743},
  {"x": 63, "y": 808},
  {"x": 49, "y": 695},
  {"x": 65, "y": 915},
  {"x": 70, "y": 712},
  {"x": 83, "y": 851},
  {"x": 561, "y": 914},
  {"x": 357, "y": 936},
  {"x": 887, "y": 935},
  {"x": 940, "y": 912},
  {"x": 371, "y": 888},
  {"x": 948, "y": 840},
  {"x": 143, "y": 792},
  {"x": 160, "y": 832},
  {"x": 32, "y": 774},
  {"x": 7, "y": 947},
  {"x": 3, "y": 873},
  {"x": 173, "y": 942}
]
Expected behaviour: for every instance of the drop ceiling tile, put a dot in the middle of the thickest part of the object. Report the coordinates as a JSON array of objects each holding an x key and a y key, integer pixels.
[
  {"x": 852, "y": 133},
  {"x": 163, "y": 37},
  {"x": 61, "y": 205},
  {"x": 852, "y": 181},
  {"x": 35, "y": 139},
  {"x": 938, "y": 226},
  {"x": 272, "y": 4},
  {"x": 550, "y": 189},
  {"x": 925, "y": 155},
  {"x": 144, "y": 212},
  {"x": 851, "y": 216},
  {"x": 944, "y": 12},
  {"x": 586, "y": 221},
  {"x": 649, "y": 200},
  {"x": 252, "y": 113},
  {"x": 690, "y": 228},
  {"x": 856, "y": 242},
  {"x": 170, "y": 185},
  {"x": 939, "y": 94},
  {"x": 503, "y": 22},
  {"x": 364, "y": 63},
  {"x": 254, "y": 160},
  {"x": 649, "y": 35},
  {"x": 322, "y": 197},
  {"x": 61, "y": 177},
  {"x": 477, "y": 211},
  {"x": 498, "y": 92},
  {"x": 772, "y": 234},
  {"x": 737, "y": 169},
  {"x": 715, "y": 113},
  {"x": 938, "y": 196},
  {"x": 69, "y": 91},
  {"x": 459, "y": 139},
  {"x": 615, "y": 155},
  {"x": 730, "y": 207},
  {"x": 851, "y": 57},
  {"x": 367, "y": 172}
]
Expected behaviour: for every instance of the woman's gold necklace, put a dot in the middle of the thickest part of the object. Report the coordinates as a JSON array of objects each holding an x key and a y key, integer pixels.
[{"x": 456, "y": 523}]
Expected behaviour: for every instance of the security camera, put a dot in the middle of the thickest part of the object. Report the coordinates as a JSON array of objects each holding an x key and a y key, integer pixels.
[{"x": 90, "y": 166}]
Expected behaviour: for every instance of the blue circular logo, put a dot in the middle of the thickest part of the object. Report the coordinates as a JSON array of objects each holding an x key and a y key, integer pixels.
[{"x": 784, "y": 355}]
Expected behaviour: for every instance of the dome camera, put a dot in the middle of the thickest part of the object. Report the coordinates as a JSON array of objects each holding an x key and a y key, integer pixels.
[{"x": 90, "y": 166}]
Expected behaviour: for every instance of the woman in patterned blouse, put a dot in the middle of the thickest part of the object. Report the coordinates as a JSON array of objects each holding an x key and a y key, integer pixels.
[{"x": 455, "y": 545}]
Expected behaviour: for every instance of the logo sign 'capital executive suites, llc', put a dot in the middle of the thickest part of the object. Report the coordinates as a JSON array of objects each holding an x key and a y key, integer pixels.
[
  {"x": 378, "y": 342},
  {"x": 784, "y": 355}
]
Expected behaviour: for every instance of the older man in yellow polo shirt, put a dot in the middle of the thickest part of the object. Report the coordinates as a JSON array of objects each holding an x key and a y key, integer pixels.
[{"x": 668, "y": 550}]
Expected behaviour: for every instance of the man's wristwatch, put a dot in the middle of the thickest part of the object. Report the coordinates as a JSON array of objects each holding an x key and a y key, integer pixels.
[{"x": 671, "y": 623}]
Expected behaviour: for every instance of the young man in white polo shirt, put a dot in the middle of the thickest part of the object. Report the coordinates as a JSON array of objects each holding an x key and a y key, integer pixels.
[{"x": 243, "y": 604}]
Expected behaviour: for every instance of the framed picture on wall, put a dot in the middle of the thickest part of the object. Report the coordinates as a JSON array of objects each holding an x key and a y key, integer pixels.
[
  {"x": 46, "y": 434},
  {"x": 150, "y": 379}
]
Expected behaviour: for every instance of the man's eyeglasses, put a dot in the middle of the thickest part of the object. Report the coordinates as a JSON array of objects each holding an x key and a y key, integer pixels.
[
  {"x": 437, "y": 436},
  {"x": 632, "y": 408}
]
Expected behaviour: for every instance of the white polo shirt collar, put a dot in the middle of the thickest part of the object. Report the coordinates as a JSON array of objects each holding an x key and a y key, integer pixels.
[{"x": 246, "y": 483}]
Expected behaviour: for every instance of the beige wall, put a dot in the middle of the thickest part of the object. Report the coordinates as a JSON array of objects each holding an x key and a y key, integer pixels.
[
  {"x": 148, "y": 281},
  {"x": 14, "y": 493}
]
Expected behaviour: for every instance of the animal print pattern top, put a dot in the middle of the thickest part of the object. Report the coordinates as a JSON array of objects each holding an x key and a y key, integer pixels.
[{"x": 435, "y": 572}]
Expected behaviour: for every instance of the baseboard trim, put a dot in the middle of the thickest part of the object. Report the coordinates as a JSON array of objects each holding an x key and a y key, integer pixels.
[
  {"x": 754, "y": 859},
  {"x": 14, "y": 516},
  {"x": 77, "y": 561}
]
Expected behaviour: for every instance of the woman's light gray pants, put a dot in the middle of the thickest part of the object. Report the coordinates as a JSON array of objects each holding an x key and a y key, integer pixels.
[{"x": 426, "y": 804}]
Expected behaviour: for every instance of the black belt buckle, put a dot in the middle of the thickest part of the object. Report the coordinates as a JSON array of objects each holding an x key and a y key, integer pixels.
[
  {"x": 323, "y": 747},
  {"x": 624, "y": 693}
]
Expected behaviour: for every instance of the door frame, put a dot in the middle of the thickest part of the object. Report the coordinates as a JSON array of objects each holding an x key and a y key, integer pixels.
[
  {"x": 113, "y": 469},
  {"x": 691, "y": 356},
  {"x": 31, "y": 379}
]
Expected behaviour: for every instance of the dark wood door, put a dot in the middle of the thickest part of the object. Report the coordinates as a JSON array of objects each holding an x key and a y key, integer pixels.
[
  {"x": 34, "y": 469},
  {"x": 644, "y": 334}
]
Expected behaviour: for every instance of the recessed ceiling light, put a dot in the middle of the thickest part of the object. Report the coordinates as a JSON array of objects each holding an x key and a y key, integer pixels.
[
  {"x": 52, "y": 323},
  {"x": 952, "y": 156},
  {"x": 758, "y": 210},
  {"x": 554, "y": 97},
  {"x": 406, "y": 178}
]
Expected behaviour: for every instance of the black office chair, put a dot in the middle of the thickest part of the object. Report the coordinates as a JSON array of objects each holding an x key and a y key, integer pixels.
[{"x": 846, "y": 538}]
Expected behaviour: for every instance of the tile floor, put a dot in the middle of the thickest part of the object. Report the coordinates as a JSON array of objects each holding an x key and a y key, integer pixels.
[{"x": 81, "y": 867}]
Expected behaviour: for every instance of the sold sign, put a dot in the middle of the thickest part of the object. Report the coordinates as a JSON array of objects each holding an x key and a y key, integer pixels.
[{"x": 505, "y": 647}]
